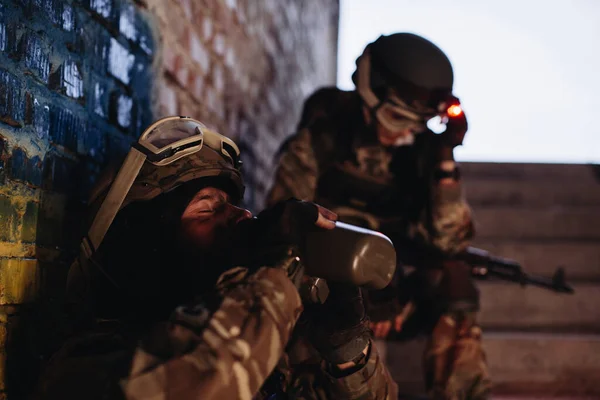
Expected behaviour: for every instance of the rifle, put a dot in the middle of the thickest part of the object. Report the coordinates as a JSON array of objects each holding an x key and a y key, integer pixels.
[{"x": 485, "y": 266}]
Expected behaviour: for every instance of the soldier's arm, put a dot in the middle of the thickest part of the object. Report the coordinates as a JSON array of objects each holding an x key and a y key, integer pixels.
[
  {"x": 453, "y": 226},
  {"x": 448, "y": 223},
  {"x": 371, "y": 380},
  {"x": 227, "y": 356}
]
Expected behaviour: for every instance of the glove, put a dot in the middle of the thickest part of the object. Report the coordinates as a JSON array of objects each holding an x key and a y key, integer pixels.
[
  {"x": 339, "y": 328},
  {"x": 286, "y": 223},
  {"x": 456, "y": 129},
  {"x": 453, "y": 136},
  {"x": 276, "y": 237}
]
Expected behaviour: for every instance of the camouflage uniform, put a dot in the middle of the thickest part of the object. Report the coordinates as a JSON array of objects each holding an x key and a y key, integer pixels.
[
  {"x": 228, "y": 354},
  {"x": 224, "y": 345},
  {"x": 336, "y": 160},
  {"x": 234, "y": 353}
]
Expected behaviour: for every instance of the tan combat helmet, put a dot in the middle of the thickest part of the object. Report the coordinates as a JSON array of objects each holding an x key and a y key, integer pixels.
[{"x": 171, "y": 152}]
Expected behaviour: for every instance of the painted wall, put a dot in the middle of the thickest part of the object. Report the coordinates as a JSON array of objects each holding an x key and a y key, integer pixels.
[{"x": 81, "y": 79}]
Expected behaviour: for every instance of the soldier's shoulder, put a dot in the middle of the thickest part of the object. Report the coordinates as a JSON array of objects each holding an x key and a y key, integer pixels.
[
  {"x": 326, "y": 102},
  {"x": 329, "y": 97}
]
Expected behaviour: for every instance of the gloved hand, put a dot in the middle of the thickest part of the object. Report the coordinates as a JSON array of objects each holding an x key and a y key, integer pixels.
[
  {"x": 278, "y": 233},
  {"x": 386, "y": 317},
  {"x": 289, "y": 221},
  {"x": 453, "y": 136},
  {"x": 456, "y": 129},
  {"x": 339, "y": 328}
]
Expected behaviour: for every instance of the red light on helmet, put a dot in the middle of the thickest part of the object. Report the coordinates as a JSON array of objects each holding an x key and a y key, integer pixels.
[{"x": 454, "y": 111}]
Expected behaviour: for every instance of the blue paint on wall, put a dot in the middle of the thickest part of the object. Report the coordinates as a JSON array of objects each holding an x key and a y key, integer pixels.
[{"x": 74, "y": 76}]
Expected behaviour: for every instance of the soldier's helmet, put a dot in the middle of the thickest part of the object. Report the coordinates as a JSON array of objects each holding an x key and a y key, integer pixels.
[
  {"x": 404, "y": 75},
  {"x": 172, "y": 152}
]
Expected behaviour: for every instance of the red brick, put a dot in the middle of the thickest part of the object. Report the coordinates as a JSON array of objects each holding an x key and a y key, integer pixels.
[
  {"x": 186, "y": 6},
  {"x": 170, "y": 58},
  {"x": 232, "y": 4},
  {"x": 167, "y": 100},
  {"x": 192, "y": 109},
  {"x": 197, "y": 87},
  {"x": 212, "y": 98},
  {"x": 207, "y": 28},
  {"x": 219, "y": 44},
  {"x": 218, "y": 78},
  {"x": 243, "y": 55},
  {"x": 183, "y": 71},
  {"x": 223, "y": 17},
  {"x": 230, "y": 57},
  {"x": 198, "y": 51},
  {"x": 173, "y": 21}
]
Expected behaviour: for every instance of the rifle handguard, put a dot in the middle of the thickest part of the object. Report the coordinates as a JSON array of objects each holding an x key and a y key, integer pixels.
[{"x": 351, "y": 254}]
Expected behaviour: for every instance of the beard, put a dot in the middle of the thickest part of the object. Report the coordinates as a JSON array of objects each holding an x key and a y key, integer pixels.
[{"x": 204, "y": 265}]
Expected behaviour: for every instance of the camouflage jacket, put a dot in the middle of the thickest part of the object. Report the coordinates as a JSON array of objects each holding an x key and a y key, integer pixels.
[
  {"x": 228, "y": 353},
  {"x": 232, "y": 355},
  {"x": 335, "y": 160}
]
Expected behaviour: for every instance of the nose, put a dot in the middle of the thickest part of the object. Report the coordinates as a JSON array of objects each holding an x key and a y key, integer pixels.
[
  {"x": 239, "y": 214},
  {"x": 405, "y": 132}
]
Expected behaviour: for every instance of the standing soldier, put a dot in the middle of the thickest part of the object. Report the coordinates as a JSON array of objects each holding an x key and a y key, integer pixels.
[{"x": 369, "y": 156}]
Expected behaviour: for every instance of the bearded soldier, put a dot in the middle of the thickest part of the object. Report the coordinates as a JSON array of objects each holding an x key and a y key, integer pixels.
[{"x": 177, "y": 292}]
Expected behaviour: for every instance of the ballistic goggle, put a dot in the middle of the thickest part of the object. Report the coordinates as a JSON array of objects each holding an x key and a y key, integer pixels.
[
  {"x": 164, "y": 142},
  {"x": 392, "y": 112}
]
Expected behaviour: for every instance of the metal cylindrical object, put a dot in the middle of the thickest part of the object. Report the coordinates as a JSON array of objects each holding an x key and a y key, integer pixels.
[{"x": 351, "y": 254}]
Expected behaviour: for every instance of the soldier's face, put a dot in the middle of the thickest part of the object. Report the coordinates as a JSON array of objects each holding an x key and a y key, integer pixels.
[
  {"x": 209, "y": 217},
  {"x": 388, "y": 137},
  {"x": 404, "y": 131}
]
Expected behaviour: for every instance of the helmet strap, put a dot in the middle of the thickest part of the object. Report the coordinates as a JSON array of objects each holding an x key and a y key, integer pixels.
[
  {"x": 114, "y": 199},
  {"x": 369, "y": 99}
]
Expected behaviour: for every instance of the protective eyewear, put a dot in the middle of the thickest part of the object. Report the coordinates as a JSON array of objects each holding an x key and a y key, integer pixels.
[
  {"x": 392, "y": 112},
  {"x": 162, "y": 143}
]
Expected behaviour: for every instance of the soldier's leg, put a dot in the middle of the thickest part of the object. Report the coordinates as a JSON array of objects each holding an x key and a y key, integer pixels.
[
  {"x": 454, "y": 360},
  {"x": 455, "y": 365}
]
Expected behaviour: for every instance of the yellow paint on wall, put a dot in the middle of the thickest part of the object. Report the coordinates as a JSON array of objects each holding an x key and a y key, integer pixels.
[
  {"x": 19, "y": 280},
  {"x": 17, "y": 250}
]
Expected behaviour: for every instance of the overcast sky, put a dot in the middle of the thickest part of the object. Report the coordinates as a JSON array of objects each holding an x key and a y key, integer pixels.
[{"x": 527, "y": 71}]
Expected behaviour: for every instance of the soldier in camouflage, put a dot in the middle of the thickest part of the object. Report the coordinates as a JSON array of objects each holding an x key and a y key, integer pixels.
[
  {"x": 369, "y": 156},
  {"x": 180, "y": 294}
]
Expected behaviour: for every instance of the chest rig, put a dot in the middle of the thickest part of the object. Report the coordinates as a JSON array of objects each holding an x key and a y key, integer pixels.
[{"x": 366, "y": 184}]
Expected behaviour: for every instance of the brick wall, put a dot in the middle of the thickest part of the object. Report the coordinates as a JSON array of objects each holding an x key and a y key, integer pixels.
[
  {"x": 244, "y": 67},
  {"x": 80, "y": 79},
  {"x": 75, "y": 84}
]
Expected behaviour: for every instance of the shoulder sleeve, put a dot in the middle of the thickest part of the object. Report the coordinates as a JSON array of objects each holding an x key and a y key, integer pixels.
[
  {"x": 301, "y": 156},
  {"x": 322, "y": 103},
  {"x": 227, "y": 355},
  {"x": 448, "y": 223},
  {"x": 297, "y": 170}
]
